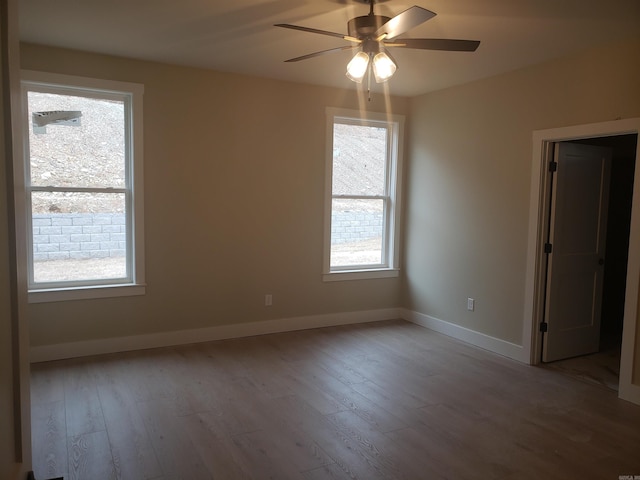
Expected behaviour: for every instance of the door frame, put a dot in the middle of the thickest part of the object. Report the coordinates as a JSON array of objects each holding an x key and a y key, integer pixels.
[{"x": 543, "y": 142}]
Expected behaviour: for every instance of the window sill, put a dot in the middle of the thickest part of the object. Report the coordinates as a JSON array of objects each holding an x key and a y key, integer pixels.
[
  {"x": 345, "y": 275},
  {"x": 85, "y": 293}
]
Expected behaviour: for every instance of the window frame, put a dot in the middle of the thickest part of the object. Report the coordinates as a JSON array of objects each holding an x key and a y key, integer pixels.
[
  {"x": 389, "y": 267},
  {"x": 132, "y": 96}
]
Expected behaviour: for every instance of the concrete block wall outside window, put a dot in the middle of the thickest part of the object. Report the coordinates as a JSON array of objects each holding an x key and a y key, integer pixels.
[{"x": 62, "y": 236}]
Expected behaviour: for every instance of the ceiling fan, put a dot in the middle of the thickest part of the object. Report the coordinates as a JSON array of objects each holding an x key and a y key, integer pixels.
[{"x": 373, "y": 34}]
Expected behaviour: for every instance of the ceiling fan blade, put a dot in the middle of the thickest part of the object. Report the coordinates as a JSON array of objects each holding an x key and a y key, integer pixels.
[
  {"x": 449, "y": 45},
  {"x": 323, "y": 52},
  {"x": 405, "y": 21},
  {"x": 315, "y": 30}
]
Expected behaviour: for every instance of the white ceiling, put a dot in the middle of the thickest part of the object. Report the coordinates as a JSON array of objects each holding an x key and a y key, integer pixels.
[{"x": 239, "y": 36}]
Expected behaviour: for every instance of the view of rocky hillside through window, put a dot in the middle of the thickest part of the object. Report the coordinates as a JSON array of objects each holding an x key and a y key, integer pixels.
[
  {"x": 359, "y": 163},
  {"x": 77, "y": 143}
]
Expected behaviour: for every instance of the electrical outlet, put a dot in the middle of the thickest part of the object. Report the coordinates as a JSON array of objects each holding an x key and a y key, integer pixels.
[
  {"x": 471, "y": 304},
  {"x": 268, "y": 300}
]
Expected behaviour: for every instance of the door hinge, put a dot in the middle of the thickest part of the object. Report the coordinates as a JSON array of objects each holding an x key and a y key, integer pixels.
[
  {"x": 548, "y": 248},
  {"x": 553, "y": 166},
  {"x": 543, "y": 327}
]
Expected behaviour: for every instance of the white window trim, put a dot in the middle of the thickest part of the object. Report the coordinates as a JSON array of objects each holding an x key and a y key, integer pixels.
[
  {"x": 391, "y": 241},
  {"x": 136, "y": 285}
]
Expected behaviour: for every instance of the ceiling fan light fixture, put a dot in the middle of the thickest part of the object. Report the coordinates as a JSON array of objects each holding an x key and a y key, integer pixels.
[
  {"x": 383, "y": 67},
  {"x": 357, "y": 67},
  {"x": 372, "y": 34}
]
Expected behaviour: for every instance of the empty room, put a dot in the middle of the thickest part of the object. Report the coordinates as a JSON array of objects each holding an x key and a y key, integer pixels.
[{"x": 320, "y": 240}]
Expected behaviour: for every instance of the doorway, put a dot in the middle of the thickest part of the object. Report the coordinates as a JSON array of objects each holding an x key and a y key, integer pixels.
[
  {"x": 544, "y": 142},
  {"x": 599, "y": 363}
]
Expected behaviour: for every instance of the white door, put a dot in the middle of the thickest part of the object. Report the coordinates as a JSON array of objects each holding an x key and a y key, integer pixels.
[{"x": 576, "y": 263}]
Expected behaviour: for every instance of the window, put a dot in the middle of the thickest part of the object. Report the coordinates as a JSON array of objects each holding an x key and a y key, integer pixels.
[
  {"x": 83, "y": 187},
  {"x": 363, "y": 192}
]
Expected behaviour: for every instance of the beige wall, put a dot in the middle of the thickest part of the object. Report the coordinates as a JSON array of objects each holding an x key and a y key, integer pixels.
[
  {"x": 244, "y": 155},
  {"x": 469, "y": 179},
  {"x": 636, "y": 359},
  {"x": 14, "y": 399},
  {"x": 8, "y": 466},
  {"x": 248, "y": 154}
]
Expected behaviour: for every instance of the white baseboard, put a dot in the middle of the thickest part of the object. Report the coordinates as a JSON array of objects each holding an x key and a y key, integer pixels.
[
  {"x": 495, "y": 345},
  {"x": 61, "y": 351}
]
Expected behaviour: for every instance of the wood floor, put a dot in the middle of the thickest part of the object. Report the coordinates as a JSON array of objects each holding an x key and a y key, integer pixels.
[
  {"x": 601, "y": 368},
  {"x": 386, "y": 400}
]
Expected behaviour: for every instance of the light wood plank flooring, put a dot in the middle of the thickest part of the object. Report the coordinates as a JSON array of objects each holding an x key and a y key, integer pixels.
[
  {"x": 385, "y": 400},
  {"x": 601, "y": 368}
]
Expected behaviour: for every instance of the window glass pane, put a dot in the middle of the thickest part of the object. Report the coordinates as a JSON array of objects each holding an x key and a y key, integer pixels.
[
  {"x": 78, "y": 236},
  {"x": 76, "y": 141},
  {"x": 359, "y": 159},
  {"x": 356, "y": 232}
]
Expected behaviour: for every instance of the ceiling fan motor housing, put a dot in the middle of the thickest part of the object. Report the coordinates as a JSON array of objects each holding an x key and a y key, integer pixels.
[{"x": 366, "y": 26}]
